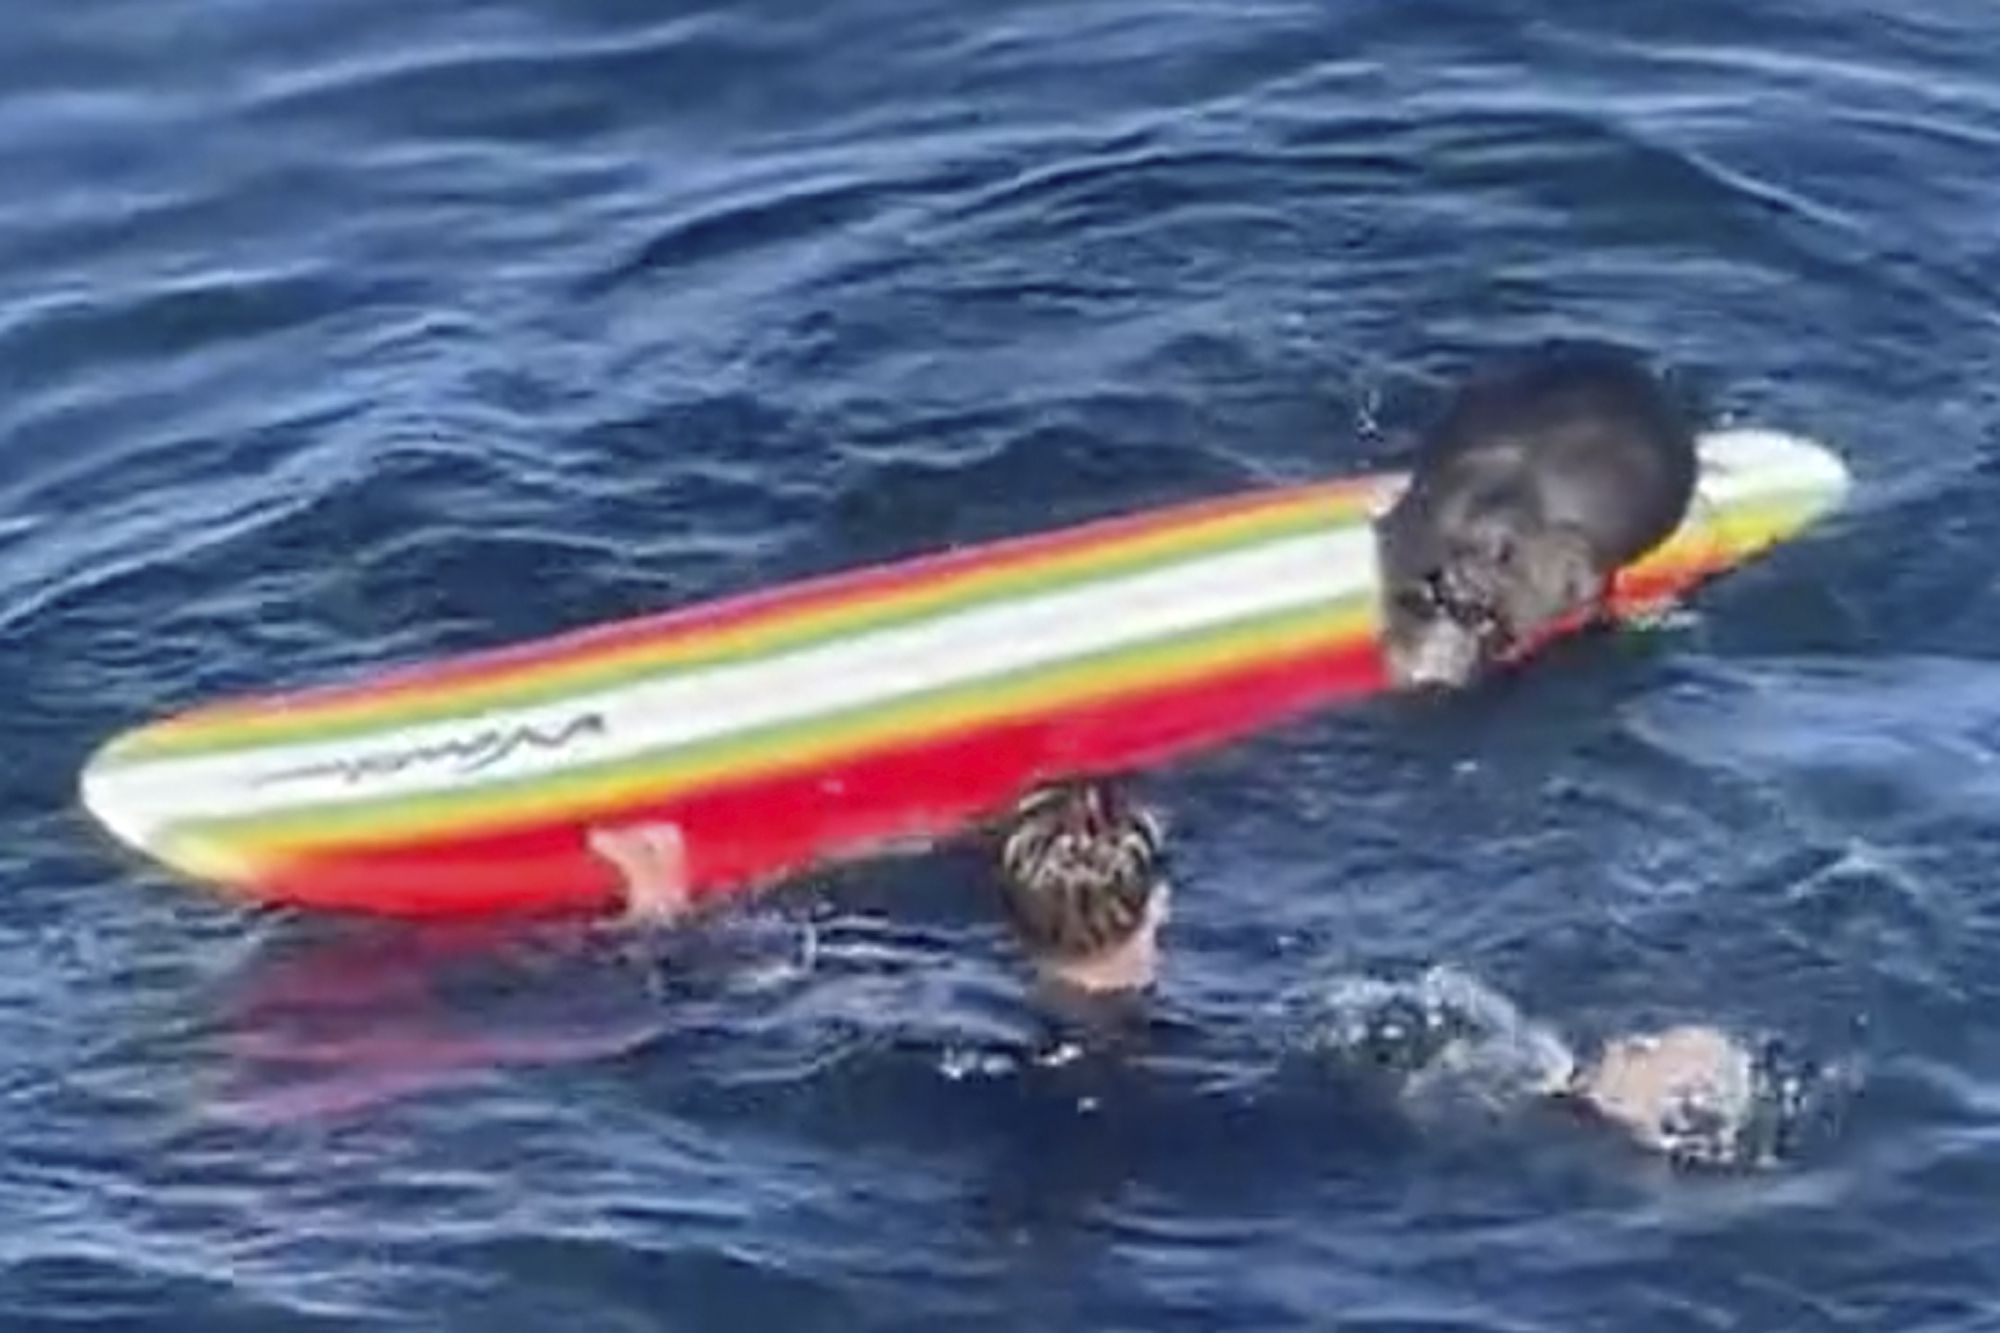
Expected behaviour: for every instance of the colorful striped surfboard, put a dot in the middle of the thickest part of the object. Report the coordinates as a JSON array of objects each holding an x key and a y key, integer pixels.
[{"x": 827, "y": 719}]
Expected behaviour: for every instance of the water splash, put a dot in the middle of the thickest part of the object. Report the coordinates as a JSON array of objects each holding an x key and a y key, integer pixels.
[{"x": 1443, "y": 1034}]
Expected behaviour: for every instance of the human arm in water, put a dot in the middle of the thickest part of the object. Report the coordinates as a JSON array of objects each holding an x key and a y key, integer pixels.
[{"x": 1693, "y": 1093}]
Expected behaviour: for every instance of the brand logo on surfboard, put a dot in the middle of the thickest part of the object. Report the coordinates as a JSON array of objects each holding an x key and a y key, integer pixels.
[{"x": 461, "y": 755}]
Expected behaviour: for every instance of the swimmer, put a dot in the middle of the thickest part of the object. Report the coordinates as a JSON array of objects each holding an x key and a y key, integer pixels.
[
  {"x": 1082, "y": 886},
  {"x": 1542, "y": 480}
]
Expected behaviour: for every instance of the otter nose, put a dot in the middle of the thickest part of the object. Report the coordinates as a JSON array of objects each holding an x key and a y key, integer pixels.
[
  {"x": 1443, "y": 659},
  {"x": 1430, "y": 674}
]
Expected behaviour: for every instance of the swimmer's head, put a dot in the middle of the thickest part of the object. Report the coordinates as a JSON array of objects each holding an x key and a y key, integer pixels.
[
  {"x": 1687, "y": 1092},
  {"x": 1081, "y": 882}
]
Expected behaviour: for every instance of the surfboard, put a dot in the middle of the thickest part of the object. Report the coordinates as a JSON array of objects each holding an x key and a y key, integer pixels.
[{"x": 832, "y": 718}]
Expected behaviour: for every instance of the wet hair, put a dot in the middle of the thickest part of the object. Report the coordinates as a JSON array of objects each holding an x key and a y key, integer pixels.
[{"x": 1079, "y": 865}]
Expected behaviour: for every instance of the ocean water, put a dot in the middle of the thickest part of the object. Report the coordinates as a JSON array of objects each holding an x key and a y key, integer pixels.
[{"x": 338, "y": 332}]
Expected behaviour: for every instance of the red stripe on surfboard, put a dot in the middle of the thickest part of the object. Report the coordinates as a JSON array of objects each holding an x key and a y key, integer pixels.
[{"x": 734, "y": 612}]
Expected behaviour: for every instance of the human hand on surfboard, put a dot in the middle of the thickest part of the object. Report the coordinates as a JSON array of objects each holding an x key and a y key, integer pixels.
[{"x": 651, "y": 860}]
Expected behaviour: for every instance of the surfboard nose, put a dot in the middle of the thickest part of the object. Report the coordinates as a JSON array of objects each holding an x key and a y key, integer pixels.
[{"x": 1740, "y": 460}]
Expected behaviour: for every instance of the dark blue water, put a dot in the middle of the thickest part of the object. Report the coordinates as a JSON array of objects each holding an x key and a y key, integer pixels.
[{"x": 336, "y": 332}]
